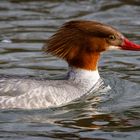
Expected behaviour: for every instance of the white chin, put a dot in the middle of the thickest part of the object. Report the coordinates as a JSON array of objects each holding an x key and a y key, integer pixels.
[{"x": 114, "y": 48}]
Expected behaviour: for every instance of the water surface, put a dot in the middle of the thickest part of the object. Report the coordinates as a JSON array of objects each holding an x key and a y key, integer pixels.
[{"x": 24, "y": 27}]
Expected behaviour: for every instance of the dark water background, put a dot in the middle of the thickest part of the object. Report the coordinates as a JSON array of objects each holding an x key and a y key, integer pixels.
[{"x": 24, "y": 27}]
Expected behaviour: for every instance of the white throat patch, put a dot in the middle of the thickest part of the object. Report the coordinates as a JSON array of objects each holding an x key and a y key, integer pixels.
[
  {"x": 114, "y": 48},
  {"x": 85, "y": 76}
]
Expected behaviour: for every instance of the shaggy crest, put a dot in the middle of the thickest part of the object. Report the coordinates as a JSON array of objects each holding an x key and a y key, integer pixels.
[
  {"x": 80, "y": 43},
  {"x": 74, "y": 36}
]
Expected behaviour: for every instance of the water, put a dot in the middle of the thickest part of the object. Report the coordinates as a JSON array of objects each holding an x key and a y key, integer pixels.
[{"x": 24, "y": 27}]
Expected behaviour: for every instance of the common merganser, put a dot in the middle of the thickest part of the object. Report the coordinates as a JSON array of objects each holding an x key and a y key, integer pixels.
[{"x": 80, "y": 44}]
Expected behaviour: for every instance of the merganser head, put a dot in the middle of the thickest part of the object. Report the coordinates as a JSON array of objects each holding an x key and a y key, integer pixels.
[{"x": 81, "y": 42}]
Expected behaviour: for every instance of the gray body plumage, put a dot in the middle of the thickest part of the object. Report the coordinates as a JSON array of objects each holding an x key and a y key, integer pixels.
[{"x": 35, "y": 94}]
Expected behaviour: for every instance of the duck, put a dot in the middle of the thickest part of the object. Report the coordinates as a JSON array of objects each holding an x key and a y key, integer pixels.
[{"x": 80, "y": 43}]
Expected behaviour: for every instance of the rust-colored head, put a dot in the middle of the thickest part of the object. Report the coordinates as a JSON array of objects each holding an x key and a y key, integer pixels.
[{"x": 81, "y": 42}]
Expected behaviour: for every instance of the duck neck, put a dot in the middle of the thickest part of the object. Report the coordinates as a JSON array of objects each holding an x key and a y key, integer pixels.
[{"x": 89, "y": 77}]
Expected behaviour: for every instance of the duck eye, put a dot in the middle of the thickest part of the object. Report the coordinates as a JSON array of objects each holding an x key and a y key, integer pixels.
[{"x": 112, "y": 37}]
